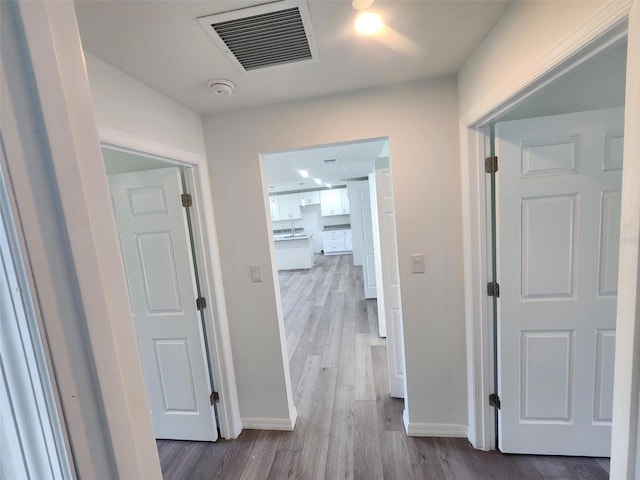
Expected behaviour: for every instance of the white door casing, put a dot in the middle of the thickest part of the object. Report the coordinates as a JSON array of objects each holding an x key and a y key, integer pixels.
[
  {"x": 390, "y": 276},
  {"x": 558, "y": 210},
  {"x": 156, "y": 250}
]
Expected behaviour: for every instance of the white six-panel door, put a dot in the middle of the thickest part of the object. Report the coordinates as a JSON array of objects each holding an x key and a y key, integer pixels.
[
  {"x": 361, "y": 226},
  {"x": 558, "y": 211},
  {"x": 156, "y": 249}
]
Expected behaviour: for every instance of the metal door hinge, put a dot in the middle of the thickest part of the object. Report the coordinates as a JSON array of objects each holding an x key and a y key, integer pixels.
[
  {"x": 201, "y": 303},
  {"x": 187, "y": 201},
  {"x": 491, "y": 164},
  {"x": 494, "y": 400},
  {"x": 493, "y": 289},
  {"x": 214, "y": 397}
]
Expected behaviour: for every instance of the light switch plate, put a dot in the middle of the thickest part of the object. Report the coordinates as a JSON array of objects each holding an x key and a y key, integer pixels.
[
  {"x": 256, "y": 273},
  {"x": 417, "y": 263}
]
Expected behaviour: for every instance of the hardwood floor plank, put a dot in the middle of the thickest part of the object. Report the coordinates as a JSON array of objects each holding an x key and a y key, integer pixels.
[
  {"x": 211, "y": 461},
  {"x": 367, "y": 456},
  {"x": 427, "y": 472},
  {"x": 371, "y": 304},
  {"x": 347, "y": 360},
  {"x": 362, "y": 322},
  {"x": 331, "y": 355},
  {"x": 168, "y": 450},
  {"x": 365, "y": 389},
  {"x": 389, "y": 409},
  {"x": 185, "y": 461},
  {"x": 395, "y": 455},
  {"x": 303, "y": 400},
  {"x": 316, "y": 441},
  {"x": 342, "y": 437},
  {"x": 286, "y": 465},
  {"x": 262, "y": 456},
  {"x": 303, "y": 349}
]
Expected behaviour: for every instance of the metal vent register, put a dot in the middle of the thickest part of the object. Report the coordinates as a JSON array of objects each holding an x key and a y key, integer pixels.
[{"x": 264, "y": 36}]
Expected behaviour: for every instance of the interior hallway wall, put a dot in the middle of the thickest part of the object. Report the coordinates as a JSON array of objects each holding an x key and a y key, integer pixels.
[{"x": 421, "y": 121}]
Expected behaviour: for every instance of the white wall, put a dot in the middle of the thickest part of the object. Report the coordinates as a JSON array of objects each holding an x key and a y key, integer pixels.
[
  {"x": 125, "y": 104},
  {"x": 524, "y": 35},
  {"x": 421, "y": 121}
]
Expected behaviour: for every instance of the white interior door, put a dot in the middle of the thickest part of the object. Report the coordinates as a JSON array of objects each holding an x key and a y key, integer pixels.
[
  {"x": 361, "y": 227},
  {"x": 559, "y": 182},
  {"x": 390, "y": 276},
  {"x": 156, "y": 249}
]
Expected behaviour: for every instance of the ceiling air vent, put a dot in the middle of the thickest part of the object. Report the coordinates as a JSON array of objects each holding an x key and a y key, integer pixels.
[
  {"x": 264, "y": 36},
  {"x": 330, "y": 161}
]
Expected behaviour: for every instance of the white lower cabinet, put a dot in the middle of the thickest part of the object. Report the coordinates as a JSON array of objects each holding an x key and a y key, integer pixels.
[{"x": 336, "y": 241}]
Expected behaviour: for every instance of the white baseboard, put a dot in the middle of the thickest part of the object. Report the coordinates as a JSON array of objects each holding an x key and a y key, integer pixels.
[
  {"x": 414, "y": 429},
  {"x": 285, "y": 424}
]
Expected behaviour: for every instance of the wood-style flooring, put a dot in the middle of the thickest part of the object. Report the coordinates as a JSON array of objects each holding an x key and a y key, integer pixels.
[{"x": 348, "y": 426}]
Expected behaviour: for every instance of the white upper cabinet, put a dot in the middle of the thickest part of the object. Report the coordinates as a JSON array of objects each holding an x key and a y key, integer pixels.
[
  {"x": 274, "y": 205},
  {"x": 334, "y": 202},
  {"x": 309, "y": 198},
  {"x": 285, "y": 207}
]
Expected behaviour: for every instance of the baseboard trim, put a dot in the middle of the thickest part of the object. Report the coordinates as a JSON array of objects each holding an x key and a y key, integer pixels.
[
  {"x": 437, "y": 430},
  {"x": 284, "y": 424}
]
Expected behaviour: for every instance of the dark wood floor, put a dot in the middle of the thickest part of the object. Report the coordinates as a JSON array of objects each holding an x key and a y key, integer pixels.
[{"x": 348, "y": 427}]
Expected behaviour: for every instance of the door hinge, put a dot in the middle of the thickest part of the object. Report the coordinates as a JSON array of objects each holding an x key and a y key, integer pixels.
[
  {"x": 494, "y": 400},
  {"x": 493, "y": 289},
  {"x": 187, "y": 201},
  {"x": 201, "y": 303},
  {"x": 214, "y": 397},
  {"x": 491, "y": 164}
]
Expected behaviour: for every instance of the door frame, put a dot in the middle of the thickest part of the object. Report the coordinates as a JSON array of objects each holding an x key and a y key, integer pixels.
[
  {"x": 614, "y": 22},
  {"x": 207, "y": 259},
  {"x": 607, "y": 27}
]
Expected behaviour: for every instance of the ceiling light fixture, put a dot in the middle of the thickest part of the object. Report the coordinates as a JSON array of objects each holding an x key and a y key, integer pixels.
[
  {"x": 328, "y": 185},
  {"x": 361, "y": 4},
  {"x": 369, "y": 23},
  {"x": 318, "y": 181},
  {"x": 303, "y": 173}
]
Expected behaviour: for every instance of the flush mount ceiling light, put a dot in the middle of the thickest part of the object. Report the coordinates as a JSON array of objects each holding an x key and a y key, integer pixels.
[
  {"x": 361, "y": 4},
  {"x": 221, "y": 87},
  {"x": 303, "y": 173},
  {"x": 318, "y": 181},
  {"x": 369, "y": 23}
]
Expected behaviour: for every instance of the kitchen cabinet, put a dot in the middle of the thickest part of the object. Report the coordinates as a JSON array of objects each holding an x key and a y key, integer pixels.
[
  {"x": 334, "y": 201},
  {"x": 309, "y": 198},
  {"x": 285, "y": 207},
  {"x": 336, "y": 241}
]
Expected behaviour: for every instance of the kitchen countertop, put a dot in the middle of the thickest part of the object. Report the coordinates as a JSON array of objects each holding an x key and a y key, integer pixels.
[{"x": 289, "y": 237}]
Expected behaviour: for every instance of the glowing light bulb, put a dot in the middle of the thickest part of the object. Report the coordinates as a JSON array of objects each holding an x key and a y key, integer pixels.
[{"x": 369, "y": 23}]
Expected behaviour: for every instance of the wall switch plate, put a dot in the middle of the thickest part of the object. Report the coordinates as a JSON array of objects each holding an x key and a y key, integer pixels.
[
  {"x": 417, "y": 263},
  {"x": 256, "y": 273}
]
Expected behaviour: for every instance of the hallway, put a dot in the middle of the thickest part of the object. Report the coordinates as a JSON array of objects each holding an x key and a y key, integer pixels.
[{"x": 348, "y": 427}]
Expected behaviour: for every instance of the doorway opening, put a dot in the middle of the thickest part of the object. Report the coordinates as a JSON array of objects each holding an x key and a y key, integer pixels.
[
  {"x": 335, "y": 256},
  {"x": 544, "y": 146},
  {"x": 157, "y": 218}
]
